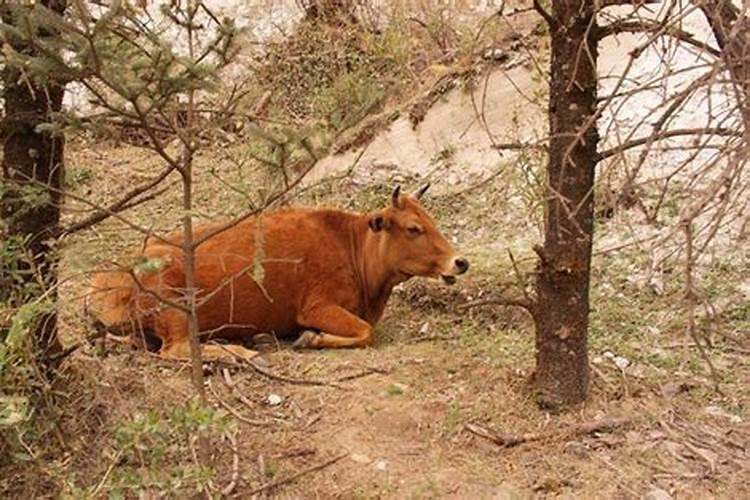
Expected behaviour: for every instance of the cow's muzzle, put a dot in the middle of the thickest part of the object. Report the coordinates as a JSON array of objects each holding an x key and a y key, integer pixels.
[{"x": 460, "y": 266}]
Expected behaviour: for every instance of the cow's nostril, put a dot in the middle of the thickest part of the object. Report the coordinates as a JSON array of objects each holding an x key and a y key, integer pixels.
[{"x": 462, "y": 265}]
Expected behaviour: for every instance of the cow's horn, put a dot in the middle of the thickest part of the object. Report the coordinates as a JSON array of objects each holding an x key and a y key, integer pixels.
[
  {"x": 394, "y": 199},
  {"x": 419, "y": 193}
]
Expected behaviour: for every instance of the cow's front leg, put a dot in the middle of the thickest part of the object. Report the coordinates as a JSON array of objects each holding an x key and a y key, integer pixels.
[{"x": 338, "y": 328}]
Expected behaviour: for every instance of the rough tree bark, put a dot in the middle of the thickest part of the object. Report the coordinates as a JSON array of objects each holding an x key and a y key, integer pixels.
[
  {"x": 33, "y": 160},
  {"x": 562, "y": 304}
]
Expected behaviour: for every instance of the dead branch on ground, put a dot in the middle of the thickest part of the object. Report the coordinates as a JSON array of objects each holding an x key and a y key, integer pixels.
[
  {"x": 275, "y": 484},
  {"x": 229, "y": 488},
  {"x": 510, "y": 440},
  {"x": 232, "y": 410}
]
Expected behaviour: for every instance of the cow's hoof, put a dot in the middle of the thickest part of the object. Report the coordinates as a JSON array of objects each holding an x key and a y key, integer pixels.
[
  {"x": 264, "y": 341},
  {"x": 306, "y": 339}
]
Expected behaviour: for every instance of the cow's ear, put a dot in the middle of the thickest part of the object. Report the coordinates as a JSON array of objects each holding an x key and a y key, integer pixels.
[{"x": 378, "y": 222}]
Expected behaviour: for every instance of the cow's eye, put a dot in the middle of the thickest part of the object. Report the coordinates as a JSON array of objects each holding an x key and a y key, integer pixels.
[{"x": 414, "y": 230}]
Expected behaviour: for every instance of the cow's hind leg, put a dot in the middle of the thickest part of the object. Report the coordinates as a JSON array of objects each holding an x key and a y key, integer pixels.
[
  {"x": 172, "y": 327},
  {"x": 338, "y": 327}
]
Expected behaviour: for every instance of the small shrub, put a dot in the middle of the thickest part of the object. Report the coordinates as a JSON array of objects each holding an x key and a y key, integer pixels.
[{"x": 155, "y": 450}]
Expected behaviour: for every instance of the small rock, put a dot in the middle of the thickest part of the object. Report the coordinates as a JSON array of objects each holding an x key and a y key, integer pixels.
[
  {"x": 380, "y": 464},
  {"x": 495, "y": 54},
  {"x": 621, "y": 362},
  {"x": 425, "y": 327},
  {"x": 274, "y": 399},
  {"x": 657, "y": 494},
  {"x": 597, "y": 360},
  {"x": 360, "y": 459}
]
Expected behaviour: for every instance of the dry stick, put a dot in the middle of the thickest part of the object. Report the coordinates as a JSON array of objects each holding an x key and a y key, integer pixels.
[
  {"x": 289, "y": 380},
  {"x": 232, "y": 386},
  {"x": 363, "y": 373},
  {"x": 509, "y": 440},
  {"x": 298, "y": 452},
  {"x": 107, "y": 473},
  {"x": 228, "y": 489},
  {"x": 690, "y": 296},
  {"x": 231, "y": 410},
  {"x": 294, "y": 477}
]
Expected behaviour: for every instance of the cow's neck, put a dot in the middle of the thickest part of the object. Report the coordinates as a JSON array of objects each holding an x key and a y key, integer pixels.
[{"x": 376, "y": 280}]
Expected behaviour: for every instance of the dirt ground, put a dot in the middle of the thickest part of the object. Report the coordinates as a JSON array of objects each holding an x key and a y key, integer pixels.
[{"x": 412, "y": 417}]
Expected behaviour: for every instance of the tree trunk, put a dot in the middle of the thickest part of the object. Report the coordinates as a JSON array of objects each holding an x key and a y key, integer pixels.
[
  {"x": 562, "y": 308},
  {"x": 33, "y": 163}
]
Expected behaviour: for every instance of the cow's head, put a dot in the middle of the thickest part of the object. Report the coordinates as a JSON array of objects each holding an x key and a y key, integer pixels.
[{"x": 411, "y": 244}]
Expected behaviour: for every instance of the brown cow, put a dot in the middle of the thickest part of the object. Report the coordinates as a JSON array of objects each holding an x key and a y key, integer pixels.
[{"x": 326, "y": 273}]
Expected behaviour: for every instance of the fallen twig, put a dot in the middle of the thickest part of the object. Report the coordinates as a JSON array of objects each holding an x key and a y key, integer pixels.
[
  {"x": 281, "y": 378},
  {"x": 297, "y": 452},
  {"x": 231, "y": 410},
  {"x": 231, "y": 384},
  {"x": 107, "y": 473},
  {"x": 314, "y": 420},
  {"x": 363, "y": 373},
  {"x": 229, "y": 488},
  {"x": 509, "y": 440},
  {"x": 294, "y": 477},
  {"x": 289, "y": 380}
]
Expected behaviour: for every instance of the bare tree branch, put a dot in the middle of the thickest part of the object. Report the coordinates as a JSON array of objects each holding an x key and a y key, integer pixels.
[
  {"x": 724, "y": 132},
  {"x": 649, "y": 26},
  {"x": 119, "y": 205},
  {"x": 637, "y": 3},
  {"x": 548, "y": 18}
]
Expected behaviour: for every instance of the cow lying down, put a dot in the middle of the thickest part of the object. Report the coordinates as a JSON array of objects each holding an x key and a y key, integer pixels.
[{"x": 325, "y": 274}]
